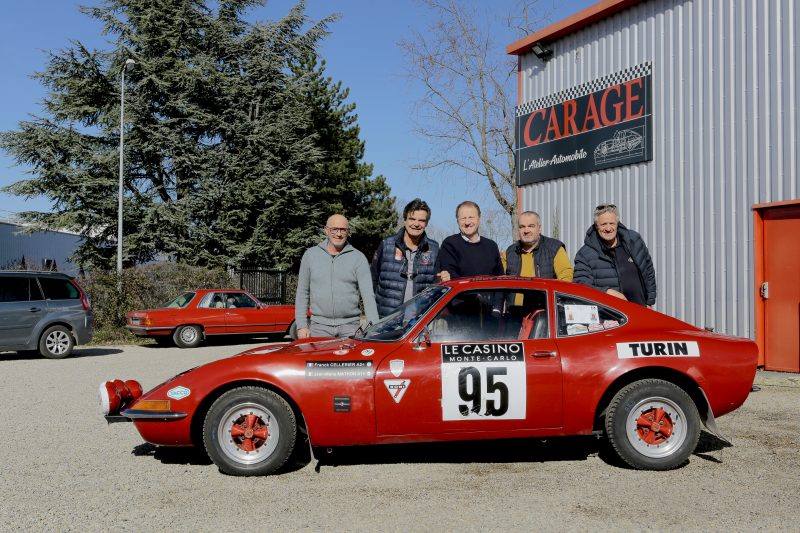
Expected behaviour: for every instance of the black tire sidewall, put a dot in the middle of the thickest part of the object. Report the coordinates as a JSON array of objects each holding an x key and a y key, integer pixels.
[
  {"x": 621, "y": 406},
  {"x": 283, "y": 416},
  {"x": 176, "y": 337},
  {"x": 43, "y": 343}
]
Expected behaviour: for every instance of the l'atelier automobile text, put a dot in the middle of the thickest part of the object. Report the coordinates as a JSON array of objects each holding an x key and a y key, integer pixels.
[{"x": 557, "y": 159}]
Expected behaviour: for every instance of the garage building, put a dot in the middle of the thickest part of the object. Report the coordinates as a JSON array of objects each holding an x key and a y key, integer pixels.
[{"x": 684, "y": 114}]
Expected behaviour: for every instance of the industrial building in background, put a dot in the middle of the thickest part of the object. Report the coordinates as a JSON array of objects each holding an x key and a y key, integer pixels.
[
  {"x": 39, "y": 250},
  {"x": 684, "y": 114}
]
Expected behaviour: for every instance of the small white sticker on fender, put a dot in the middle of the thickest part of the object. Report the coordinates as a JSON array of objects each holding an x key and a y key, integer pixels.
[
  {"x": 178, "y": 393},
  {"x": 645, "y": 349}
]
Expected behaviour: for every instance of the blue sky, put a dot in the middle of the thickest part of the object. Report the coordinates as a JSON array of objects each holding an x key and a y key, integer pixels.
[{"x": 362, "y": 51}]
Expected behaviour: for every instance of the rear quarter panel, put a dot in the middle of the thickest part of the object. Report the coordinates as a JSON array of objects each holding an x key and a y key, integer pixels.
[{"x": 724, "y": 367}]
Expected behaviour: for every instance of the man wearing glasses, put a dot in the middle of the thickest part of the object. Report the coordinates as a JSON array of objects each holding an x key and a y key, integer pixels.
[
  {"x": 332, "y": 275},
  {"x": 405, "y": 263},
  {"x": 616, "y": 260}
]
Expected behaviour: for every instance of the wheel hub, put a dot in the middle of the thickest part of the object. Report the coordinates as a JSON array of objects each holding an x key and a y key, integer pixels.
[
  {"x": 248, "y": 434},
  {"x": 656, "y": 427}
]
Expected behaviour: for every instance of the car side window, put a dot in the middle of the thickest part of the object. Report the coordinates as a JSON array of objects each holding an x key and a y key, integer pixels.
[
  {"x": 491, "y": 315},
  {"x": 577, "y": 316},
  {"x": 212, "y": 300},
  {"x": 15, "y": 289},
  {"x": 58, "y": 289},
  {"x": 239, "y": 300}
]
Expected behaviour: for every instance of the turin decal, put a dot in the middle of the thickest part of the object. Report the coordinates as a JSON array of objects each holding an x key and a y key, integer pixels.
[{"x": 641, "y": 350}]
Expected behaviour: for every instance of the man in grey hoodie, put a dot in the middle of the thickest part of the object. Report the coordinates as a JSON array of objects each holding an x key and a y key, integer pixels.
[{"x": 332, "y": 274}]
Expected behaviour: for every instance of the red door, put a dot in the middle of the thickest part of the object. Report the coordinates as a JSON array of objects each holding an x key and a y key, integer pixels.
[
  {"x": 782, "y": 297},
  {"x": 482, "y": 372}
]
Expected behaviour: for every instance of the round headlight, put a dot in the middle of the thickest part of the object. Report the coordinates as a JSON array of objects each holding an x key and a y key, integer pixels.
[{"x": 110, "y": 399}]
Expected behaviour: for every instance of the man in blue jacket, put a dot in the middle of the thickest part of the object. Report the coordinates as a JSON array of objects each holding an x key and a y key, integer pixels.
[
  {"x": 332, "y": 275},
  {"x": 405, "y": 263},
  {"x": 615, "y": 259}
]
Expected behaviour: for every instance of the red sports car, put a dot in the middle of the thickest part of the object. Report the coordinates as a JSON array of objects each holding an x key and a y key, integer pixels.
[
  {"x": 469, "y": 359},
  {"x": 194, "y": 315}
]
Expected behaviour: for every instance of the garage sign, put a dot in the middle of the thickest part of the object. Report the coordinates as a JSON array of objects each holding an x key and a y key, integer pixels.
[{"x": 601, "y": 124}]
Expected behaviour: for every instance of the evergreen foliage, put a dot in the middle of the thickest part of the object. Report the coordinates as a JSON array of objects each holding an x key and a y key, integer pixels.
[{"x": 236, "y": 146}]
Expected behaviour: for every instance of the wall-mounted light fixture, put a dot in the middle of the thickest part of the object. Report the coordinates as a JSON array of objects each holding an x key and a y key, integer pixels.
[{"x": 541, "y": 51}]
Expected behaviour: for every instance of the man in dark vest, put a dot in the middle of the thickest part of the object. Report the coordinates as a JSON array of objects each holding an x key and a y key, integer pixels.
[
  {"x": 405, "y": 263},
  {"x": 534, "y": 255}
]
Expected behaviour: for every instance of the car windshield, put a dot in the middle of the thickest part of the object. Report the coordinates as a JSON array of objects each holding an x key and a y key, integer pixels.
[
  {"x": 179, "y": 302},
  {"x": 396, "y": 325}
]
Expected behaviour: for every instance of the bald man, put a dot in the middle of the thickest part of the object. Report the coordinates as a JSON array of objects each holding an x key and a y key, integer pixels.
[{"x": 332, "y": 275}]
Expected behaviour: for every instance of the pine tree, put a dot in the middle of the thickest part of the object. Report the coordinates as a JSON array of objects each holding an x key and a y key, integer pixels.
[
  {"x": 342, "y": 182},
  {"x": 224, "y": 165}
]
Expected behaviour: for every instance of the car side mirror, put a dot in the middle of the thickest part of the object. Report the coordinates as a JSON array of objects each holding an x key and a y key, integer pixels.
[{"x": 423, "y": 340}]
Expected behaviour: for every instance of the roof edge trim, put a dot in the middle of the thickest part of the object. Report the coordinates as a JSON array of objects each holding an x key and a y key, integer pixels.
[{"x": 571, "y": 24}]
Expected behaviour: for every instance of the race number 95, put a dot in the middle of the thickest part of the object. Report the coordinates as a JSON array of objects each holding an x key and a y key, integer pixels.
[
  {"x": 483, "y": 391},
  {"x": 471, "y": 386}
]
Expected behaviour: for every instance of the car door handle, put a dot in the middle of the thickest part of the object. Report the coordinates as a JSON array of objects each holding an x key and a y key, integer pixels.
[
  {"x": 35, "y": 309},
  {"x": 544, "y": 354}
]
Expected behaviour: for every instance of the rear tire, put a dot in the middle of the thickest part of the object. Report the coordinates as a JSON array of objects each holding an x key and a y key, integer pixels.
[
  {"x": 249, "y": 431},
  {"x": 652, "y": 424},
  {"x": 187, "y": 336},
  {"x": 56, "y": 342}
]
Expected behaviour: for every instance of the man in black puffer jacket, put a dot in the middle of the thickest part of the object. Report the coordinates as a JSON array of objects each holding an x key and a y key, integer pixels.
[
  {"x": 615, "y": 259},
  {"x": 405, "y": 263}
]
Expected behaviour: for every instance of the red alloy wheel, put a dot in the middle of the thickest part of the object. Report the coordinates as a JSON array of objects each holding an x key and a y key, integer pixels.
[
  {"x": 654, "y": 426},
  {"x": 249, "y": 433}
]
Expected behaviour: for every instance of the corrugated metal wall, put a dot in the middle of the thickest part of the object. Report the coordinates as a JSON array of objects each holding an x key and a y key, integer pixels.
[
  {"x": 37, "y": 246},
  {"x": 725, "y": 96}
]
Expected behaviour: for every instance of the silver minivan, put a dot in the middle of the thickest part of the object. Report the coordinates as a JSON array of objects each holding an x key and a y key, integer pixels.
[{"x": 44, "y": 312}]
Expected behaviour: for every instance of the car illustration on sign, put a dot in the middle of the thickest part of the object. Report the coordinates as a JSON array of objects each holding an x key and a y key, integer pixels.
[
  {"x": 625, "y": 143},
  {"x": 194, "y": 315},
  {"x": 480, "y": 358}
]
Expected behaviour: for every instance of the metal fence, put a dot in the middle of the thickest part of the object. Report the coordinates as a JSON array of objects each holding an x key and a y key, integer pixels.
[{"x": 266, "y": 284}]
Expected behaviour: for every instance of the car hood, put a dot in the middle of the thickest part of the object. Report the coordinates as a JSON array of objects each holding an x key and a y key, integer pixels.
[{"x": 308, "y": 347}]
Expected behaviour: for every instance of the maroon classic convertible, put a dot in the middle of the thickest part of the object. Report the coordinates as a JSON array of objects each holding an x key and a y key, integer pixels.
[{"x": 470, "y": 359}]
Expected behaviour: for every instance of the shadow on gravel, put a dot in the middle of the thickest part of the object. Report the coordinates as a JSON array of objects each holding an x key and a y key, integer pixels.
[
  {"x": 476, "y": 452},
  {"x": 490, "y": 451},
  {"x": 196, "y": 456},
  {"x": 78, "y": 353},
  {"x": 709, "y": 443},
  {"x": 228, "y": 340},
  {"x": 172, "y": 456}
]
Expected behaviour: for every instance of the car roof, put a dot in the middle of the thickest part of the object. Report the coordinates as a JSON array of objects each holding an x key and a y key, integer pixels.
[{"x": 35, "y": 273}]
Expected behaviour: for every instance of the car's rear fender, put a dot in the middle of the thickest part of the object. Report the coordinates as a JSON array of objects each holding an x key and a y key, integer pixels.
[
  {"x": 656, "y": 372},
  {"x": 33, "y": 341}
]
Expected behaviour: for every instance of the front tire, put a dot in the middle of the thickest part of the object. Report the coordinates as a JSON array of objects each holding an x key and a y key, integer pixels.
[
  {"x": 249, "y": 431},
  {"x": 653, "y": 424},
  {"x": 187, "y": 336},
  {"x": 56, "y": 342}
]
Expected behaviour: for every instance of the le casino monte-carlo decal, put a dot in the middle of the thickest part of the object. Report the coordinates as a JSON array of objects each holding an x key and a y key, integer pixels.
[{"x": 601, "y": 124}]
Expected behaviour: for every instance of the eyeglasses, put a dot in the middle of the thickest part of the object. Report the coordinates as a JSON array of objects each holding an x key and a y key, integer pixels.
[
  {"x": 338, "y": 231},
  {"x": 603, "y": 207}
]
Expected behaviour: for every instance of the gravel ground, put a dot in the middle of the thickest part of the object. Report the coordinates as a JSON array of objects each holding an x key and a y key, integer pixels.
[{"x": 64, "y": 469}]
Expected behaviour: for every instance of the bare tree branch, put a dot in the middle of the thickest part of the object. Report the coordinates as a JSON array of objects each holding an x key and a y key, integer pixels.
[{"x": 466, "y": 112}]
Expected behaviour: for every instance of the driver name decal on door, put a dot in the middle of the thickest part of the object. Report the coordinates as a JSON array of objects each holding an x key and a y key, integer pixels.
[{"x": 483, "y": 381}]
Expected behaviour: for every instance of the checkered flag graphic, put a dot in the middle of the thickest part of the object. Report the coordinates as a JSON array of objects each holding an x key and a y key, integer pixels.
[{"x": 638, "y": 71}]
